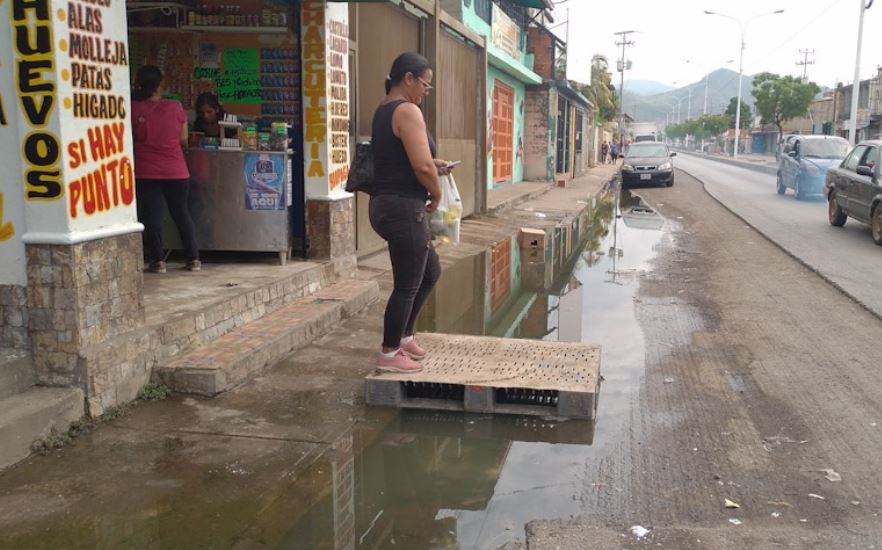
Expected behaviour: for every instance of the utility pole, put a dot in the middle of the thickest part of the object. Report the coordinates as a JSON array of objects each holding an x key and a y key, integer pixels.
[
  {"x": 805, "y": 62},
  {"x": 856, "y": 87},
  {"x": 623, "y": 64}
]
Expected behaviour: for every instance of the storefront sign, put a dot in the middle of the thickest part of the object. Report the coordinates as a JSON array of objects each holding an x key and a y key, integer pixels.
[
  {"x": 504, "y": 33},
  {"x": 264, "y": 182},
  {"x": 12, "y": 251},
  {"x": 65, "y": 89},
  {"x": 240, "y": 81},
  {"x": 94, "y": 72},
  {"x": 325, "y": 96}
]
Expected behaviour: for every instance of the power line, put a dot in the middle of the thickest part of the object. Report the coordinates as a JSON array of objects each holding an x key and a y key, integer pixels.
[{"x": 805, "y": 62}]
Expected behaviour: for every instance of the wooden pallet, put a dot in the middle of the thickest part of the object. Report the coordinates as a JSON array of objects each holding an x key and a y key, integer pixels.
[{"x": 496, "y": 375}]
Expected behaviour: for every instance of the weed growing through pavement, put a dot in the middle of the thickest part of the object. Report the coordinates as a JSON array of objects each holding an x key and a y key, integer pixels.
[
  {"x": 154, "y": 392},
  {"x": 54, "y": 440}
]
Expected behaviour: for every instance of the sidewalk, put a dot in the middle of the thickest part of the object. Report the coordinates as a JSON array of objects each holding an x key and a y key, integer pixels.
[{"x": 241, "y": 469}]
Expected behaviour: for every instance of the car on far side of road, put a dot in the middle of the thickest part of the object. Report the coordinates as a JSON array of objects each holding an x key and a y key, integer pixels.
[
  {"x": 647, "y": 163},
  {"x": 804, "y": 163},
  {"x": 854, "y": 188}
]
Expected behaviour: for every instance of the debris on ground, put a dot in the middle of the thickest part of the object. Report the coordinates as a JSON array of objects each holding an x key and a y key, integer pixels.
[
  {"x": 732, "y": 504},
  {"x": 639, "y": 531},
  {"x": 830, "y": 474},
  {"x": 735, "y": 521},
  {"x": 818, "y": 497}
]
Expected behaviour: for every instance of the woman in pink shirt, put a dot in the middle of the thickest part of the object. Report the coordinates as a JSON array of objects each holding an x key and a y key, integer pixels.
[{"x": 159, "y": 127}]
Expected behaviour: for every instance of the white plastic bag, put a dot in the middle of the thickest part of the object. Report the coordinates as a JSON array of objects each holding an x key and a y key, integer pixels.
[{"x": 446, "y": 219}]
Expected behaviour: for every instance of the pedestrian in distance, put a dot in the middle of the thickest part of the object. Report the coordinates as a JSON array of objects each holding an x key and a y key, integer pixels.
[
  {"x": 407, "y": 189},
  {"x": 604, "y": 151},
  {"x": 159, "y": 131},
  {"x": 614, "y": 152}
]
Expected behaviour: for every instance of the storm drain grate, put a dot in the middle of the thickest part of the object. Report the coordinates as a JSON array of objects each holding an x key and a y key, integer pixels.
[{"x": 496, "y": 375}]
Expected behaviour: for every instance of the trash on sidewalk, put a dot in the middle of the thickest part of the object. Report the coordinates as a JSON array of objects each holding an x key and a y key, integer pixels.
[
  {"x": 639, "y": 531},
  {"x": 818, "y": 497},
  {"x": 732, "y": 504},
  {"x": 735, "y": 521},
  {"x": 830, "y": 474}
]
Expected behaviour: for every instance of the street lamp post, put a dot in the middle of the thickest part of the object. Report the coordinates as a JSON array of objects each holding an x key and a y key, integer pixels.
[
  {"x": 856, "y": 87},
  {"x": 743, "y": 26},
  {"x": 622, "y": 66}
]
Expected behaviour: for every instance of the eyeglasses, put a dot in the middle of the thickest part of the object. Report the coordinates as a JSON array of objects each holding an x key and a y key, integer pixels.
[{"x": 425, "y": 84}]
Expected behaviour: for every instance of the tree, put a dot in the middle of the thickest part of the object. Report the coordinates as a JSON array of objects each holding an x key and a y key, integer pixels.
[
  {"x": 780, "y": 98},
  {"x": 746, "y": 114},
  {"x": 675, "y": 131},
  {"x": 601, "y": 91},
  {"x": 713, "y": 125}
]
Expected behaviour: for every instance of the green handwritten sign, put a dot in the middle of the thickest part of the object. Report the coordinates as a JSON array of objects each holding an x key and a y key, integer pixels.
[{"x": 240, "y": 80}]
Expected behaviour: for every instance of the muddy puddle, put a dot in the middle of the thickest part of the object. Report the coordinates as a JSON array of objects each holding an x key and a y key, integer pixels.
[
  {"x": 452, "y": 480},
  {"x": 422, "y": 479}
]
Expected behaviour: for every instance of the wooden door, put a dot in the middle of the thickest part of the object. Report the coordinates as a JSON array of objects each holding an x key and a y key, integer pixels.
[
  {"x": 503, "y": 132},
  {"x": 401, "y": 33},
  {"x": 461, "y": 116}
]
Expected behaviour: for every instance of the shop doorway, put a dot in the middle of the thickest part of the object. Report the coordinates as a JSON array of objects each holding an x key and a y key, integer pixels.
[
  {"x": 564, "y": 124},
  {"x": 503, "y": 132}
]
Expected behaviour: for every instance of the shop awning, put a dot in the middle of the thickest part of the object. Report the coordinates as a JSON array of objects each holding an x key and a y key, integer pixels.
[{"x": 510, "y": 67}]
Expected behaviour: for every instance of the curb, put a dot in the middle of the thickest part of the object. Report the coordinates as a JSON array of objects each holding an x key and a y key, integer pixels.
[{"x": 781, "y": 247}]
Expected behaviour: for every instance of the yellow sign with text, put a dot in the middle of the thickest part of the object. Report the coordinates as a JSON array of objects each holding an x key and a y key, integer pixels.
[{"x": 6, "y": 229}]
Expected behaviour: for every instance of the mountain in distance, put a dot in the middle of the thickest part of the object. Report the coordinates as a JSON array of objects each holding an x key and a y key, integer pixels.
[
  {"x": 646, "y": 87},
  {"x": 722, "y": 85}
]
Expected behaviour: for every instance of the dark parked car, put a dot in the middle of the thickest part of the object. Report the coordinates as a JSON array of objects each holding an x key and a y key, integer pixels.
[
  {"x": 804, "y": 162},
  {"x": 648, "y": 163},
  {"x": 854, "y": 188}
]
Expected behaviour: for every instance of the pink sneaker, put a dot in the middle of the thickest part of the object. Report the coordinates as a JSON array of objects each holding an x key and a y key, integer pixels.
[
  {"x": 399, "y": 363},
  {"x": 413, "y": 349}
]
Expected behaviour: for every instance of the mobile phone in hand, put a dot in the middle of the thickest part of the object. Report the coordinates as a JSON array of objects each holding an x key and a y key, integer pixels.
[{"x": 453, "y": 164}]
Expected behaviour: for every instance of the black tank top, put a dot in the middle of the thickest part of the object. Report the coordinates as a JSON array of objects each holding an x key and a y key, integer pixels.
[{"x": 393, "y": 174}]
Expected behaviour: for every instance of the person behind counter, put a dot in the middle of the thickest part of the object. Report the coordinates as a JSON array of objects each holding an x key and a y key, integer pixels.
[
  {"x": 208, "y": 114},
  {"x": 159, "y": 129}
]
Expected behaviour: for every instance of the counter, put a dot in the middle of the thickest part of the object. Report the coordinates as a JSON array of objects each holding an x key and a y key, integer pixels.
[{"x": 239, "y": 201}]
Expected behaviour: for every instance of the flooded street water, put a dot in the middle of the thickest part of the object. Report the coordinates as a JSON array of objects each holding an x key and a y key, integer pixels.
[
  {"x": 395, "y": 479},
  {"x": 452, "y": 480}
]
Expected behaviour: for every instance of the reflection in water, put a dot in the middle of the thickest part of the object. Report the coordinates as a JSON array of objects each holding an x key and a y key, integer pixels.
[
  {"x": 430, "y": 479},
  {"x": 443, "y": 480},
  {"x": 451, "y": 480}
]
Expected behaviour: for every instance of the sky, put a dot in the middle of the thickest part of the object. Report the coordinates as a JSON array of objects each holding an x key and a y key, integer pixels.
[{"x": 670, "y": 32}]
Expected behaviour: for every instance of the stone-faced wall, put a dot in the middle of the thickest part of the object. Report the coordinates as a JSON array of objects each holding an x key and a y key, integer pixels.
[
  {"x": 79, "y": 296},
  {"x": 14, "y": 317},
  {"x": 330, "y": 228}
]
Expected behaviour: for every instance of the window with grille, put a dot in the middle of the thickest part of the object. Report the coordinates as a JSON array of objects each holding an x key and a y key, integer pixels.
[{"x": 484, "y": 10}]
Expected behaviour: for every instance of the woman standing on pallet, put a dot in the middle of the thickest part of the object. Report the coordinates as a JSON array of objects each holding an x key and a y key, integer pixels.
[{"x": 406, "y": 189}]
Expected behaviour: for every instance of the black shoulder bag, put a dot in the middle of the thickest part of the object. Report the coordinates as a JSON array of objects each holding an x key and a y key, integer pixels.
[{"x": 361, "y": 173}]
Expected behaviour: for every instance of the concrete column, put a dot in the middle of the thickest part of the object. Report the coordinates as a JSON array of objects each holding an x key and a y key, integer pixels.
[
  {"x": 330, "y": 220},
  {"x": 68, "y": 173}
]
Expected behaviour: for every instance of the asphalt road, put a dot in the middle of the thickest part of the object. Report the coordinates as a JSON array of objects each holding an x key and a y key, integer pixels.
[
  {"x": 758, "y": 421},
  {"x": 846, "y": 257}
]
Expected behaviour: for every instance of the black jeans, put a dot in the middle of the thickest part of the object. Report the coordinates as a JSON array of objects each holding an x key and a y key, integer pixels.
[
  {"x": 151, "y": 196},
  {"x": 402, "y": 223}
]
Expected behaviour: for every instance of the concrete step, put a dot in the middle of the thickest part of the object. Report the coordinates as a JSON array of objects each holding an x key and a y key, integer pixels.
[
  {"x": 240, "y": 354},
  {"x": 16, "y": 372},
  {"x": 32, "y": 414}
]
